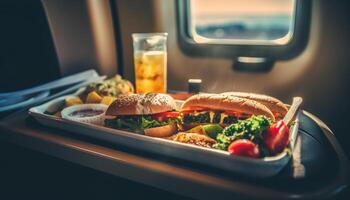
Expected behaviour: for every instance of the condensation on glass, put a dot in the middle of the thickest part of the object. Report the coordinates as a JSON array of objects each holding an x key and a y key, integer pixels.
[{"x": 247, "y": 22}]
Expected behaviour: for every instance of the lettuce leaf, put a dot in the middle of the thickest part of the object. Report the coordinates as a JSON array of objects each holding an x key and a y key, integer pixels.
[
  {"x": 251, "y": 129},
  {"x": 136, "y": 123}
]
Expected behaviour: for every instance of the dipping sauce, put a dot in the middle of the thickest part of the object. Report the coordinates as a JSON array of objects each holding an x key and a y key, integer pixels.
[{"x": 86, "y": 113}]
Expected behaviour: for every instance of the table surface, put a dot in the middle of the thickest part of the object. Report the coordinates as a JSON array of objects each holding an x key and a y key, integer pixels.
[{"x": 176, "y": 176}]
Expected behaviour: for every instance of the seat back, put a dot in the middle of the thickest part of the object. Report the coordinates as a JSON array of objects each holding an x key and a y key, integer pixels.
[{"x": 27, "y": 51}]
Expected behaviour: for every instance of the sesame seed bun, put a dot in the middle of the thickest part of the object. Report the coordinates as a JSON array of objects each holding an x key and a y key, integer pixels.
[
  {"x": 227, "y": 103},
  {"x": 141, "y": 104},
  {"x": 275, "y": 105}
]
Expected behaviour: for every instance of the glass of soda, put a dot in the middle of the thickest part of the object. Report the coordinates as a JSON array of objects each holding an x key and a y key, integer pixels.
[{"x": 150, "y": 61}]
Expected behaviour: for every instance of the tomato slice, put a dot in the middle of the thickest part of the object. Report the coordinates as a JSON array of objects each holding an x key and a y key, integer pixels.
[
  {"x": 276, "y": 138},
  {"x": 164, "y": 116},
  {"x": 237, "y": 114},
  {"x": 243, "y": 147},
  {"x": 278, "y": 115},
  {"x": 192, "y": 109}
]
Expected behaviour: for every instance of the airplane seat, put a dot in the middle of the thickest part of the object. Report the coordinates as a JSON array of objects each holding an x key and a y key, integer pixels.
[{"x": 27, "y": 51}]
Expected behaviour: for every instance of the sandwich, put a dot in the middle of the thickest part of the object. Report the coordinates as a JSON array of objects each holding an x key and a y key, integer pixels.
[
  {"x": 248, "y": 126},
  {"x": 151, "y": 114},
  {"x": 220, "y": 109},
  {"x": 277, "y": 107}
]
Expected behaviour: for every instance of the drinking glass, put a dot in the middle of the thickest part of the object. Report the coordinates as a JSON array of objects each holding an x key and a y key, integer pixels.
[{"x": 150, "y": 61}]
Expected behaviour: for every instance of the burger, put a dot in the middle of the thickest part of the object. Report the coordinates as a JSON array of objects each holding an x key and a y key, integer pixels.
[
  {"x": 220, "y": 109},
  {"x": 151, "y": 114}
]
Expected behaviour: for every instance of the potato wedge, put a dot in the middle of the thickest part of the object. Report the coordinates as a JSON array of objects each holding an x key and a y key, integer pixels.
[
  {"x": 71, "y": 101},
  {"x": 93, "y": 97}
]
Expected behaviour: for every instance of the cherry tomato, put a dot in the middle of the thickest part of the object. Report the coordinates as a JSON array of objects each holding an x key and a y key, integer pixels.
[
  {"x": 244, "y": 148},
  {"x": 276, "y": 138},
  {"x": 165, "y": 116}
]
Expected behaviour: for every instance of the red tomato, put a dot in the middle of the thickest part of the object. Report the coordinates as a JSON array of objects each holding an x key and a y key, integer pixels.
[
  {"x": 237, "y": 114},
  {"x": 244, "y": 148},
  {"x": 192, "y": 109},
  {"x": 276, "y": 138},
  {"x": 165, "y": 116}
]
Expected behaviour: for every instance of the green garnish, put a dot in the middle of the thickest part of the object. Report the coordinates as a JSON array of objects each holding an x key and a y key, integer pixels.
[
  {"x": 212, "y": 130},
  {"x": 251, "y": 129},
  {"x": 230, "y": 120},
  {"x": 136, "y": 123},
  {"x": 198, "y": 118}
]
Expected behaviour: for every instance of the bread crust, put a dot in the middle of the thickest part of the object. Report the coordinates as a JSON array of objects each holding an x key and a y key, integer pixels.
[
  {"x": 188, "y": 126},
  {"x": 162, "y": 131},
  {"x": 275, "y": 105},
  {"x": 229, "y": 103},
  {"x": 193, "y": 138},
  {"x": 141, "y": 104}
]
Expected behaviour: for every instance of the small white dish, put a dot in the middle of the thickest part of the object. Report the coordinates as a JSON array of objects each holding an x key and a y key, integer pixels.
[{"x": 86, "y": 113}]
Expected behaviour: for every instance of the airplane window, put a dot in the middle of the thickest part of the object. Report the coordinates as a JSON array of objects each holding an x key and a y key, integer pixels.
[
  {"x": 241, "y": 21},
  {"x": 264, "y": 29}
]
